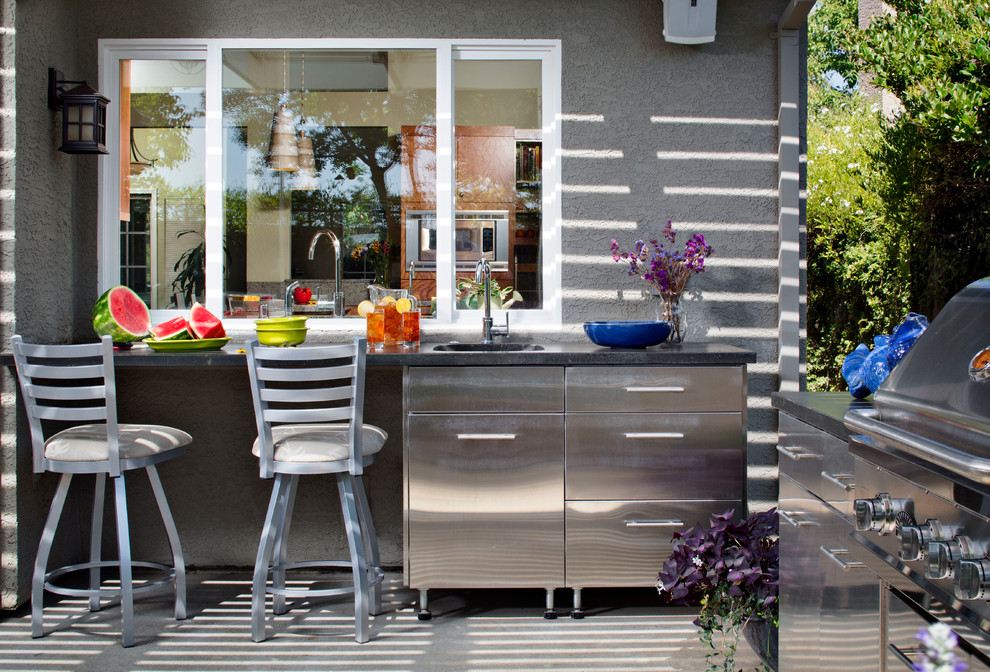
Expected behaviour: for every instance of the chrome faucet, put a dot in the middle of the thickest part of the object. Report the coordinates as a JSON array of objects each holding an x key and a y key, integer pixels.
[
  {"x": 338, "y": 293},
  {"x": 288, "y": 297},
  {"x": 483, "y": 273}
]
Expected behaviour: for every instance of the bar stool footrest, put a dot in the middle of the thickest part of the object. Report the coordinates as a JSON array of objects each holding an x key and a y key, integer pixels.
[
  {"x": 378, "y": 575},
  {"x": 107, "y": 591}
]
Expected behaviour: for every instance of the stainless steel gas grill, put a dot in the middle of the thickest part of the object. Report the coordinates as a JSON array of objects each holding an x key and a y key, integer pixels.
[{"x": 922, "y": 473}]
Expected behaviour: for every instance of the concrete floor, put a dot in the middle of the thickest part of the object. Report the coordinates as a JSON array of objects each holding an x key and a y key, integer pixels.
[{"x": 478, "y": 631}]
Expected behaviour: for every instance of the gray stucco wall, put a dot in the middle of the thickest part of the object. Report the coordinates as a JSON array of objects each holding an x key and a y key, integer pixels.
[{"x": 680, "y": 132}]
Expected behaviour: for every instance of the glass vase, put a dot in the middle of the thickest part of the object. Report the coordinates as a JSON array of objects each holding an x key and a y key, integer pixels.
[{"x": 671, "y": 310}]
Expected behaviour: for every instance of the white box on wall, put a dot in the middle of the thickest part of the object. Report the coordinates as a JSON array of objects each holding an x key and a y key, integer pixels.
[{"x": 689, "y": 21}]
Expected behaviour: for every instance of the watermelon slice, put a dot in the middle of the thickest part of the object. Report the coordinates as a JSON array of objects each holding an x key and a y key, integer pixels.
[
  {"x": 203, "y": 323},
  {"x": 122, "y": 315},
  {"x": 176, "y": 329}
]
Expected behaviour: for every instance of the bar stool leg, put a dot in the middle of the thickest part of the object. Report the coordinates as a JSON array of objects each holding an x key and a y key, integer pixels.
[
  {"x": 264, "y": 557},
  {"x": 96, "y": 538},
  {"x": 126, "y": 571},
  {"x": 44, "y": 551},
  {"x": 370, "y": 542},
  {"x": 178, "y": 560},
  {"x": 281, "y": 552},
  {"x": 359, "y": 566}
]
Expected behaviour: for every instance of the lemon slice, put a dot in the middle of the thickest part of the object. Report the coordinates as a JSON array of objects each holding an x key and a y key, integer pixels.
[
  {"x": 365, "y": 308},
  {"x": 386, "y": 300},
  {"x": 403, "y": 305}
]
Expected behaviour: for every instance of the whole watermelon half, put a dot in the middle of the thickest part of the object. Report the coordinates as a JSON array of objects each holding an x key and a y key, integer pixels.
[
  {"x": 203, "y": 323},
  {"x": 176, "y": 329},
  {"x": 122, "y": 315}
]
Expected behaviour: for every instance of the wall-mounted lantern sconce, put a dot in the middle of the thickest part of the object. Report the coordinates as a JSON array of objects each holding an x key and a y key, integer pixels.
[
  {"x": 689, "y": 21},
  {"x": 84, "y": 115}
]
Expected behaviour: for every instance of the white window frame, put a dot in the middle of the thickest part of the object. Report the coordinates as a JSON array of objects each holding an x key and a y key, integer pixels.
[{"x": 112, "y": 51}]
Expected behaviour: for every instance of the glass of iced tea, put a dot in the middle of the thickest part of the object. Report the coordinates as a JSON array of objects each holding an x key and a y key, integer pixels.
[
  {"x": 376, "y": 328},
  {"x": 393, "y": 323},
  {"x": 410, "y": 328}
]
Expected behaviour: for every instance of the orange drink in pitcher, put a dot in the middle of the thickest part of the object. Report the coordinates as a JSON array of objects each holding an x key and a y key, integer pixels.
[{"x": 385, "y": 299}]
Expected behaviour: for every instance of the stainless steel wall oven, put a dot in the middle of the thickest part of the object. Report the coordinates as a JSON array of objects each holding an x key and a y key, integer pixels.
[{"x": 476, "y": 234}]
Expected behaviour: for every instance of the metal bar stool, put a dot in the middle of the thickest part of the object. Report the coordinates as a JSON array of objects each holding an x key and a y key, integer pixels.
[
  {"x": 75, "y": 384},
  {"x": 309, "y": 409}
]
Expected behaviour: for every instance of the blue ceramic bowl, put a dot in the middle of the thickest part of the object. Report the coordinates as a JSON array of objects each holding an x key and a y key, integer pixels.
[{"x": 629, "y": 334}]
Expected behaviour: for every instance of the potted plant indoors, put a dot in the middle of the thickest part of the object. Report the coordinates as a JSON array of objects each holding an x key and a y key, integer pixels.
[
  {"x": 731, "y": 570},
  {"x": 471, "y": 295}
]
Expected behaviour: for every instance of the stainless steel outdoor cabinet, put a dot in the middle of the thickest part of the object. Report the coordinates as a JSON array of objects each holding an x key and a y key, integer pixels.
[{"x": 564, "y": 476}]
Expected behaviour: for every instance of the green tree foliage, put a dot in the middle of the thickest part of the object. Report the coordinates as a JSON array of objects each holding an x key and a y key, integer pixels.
[
  {"x": 898, "y": 207},
  {"x": 830, "y": 59},
  {"x": 857, "y": 277},
  {"x": 935, "y": 57}
]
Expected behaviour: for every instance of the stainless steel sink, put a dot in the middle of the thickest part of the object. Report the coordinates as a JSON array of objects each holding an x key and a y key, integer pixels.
[{"x": 487, "y": 347}]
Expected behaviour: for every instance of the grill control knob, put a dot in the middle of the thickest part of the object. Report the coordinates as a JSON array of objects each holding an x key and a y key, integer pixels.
[
  {"x": 973, "y": 579},
  {"x": 883, "y": 513},
  {"x": 944, "y": 555},
  {"x": 915, "y": 538}
]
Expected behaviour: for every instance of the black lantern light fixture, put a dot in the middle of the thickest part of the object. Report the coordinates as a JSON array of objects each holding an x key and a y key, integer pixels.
[{"x": 84, "y": 115}]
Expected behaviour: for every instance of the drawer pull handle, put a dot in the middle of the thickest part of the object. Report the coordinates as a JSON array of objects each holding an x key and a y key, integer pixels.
[
  {"x": 661, "y": 388},
  {"x": 663, "y": 522},
  {"x": 844, "y": 481},
  {"x": 789, "y": 518},
  {"x": 654, "y": 435},
  {"x": 798, "y": 453},
  {"x": 833, "y": 555},
  {"x": 902, "y": 655},
  {"x": 486, "y": 437}
]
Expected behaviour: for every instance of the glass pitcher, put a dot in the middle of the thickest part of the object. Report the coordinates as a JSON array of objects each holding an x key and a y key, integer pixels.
[{"x": 386, "y": 298}]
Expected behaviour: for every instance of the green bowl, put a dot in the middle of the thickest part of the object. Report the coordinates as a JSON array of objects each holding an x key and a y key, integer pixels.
[
  {"x": 282, "y": 338},
  {"x": 279, "y": 323}
]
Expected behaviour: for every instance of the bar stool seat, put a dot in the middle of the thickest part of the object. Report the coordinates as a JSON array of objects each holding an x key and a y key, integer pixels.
[
  {"x": 71, "y": 384},
  {"x": 309, "y": 410},
  {"x": 319, "y": 443}
]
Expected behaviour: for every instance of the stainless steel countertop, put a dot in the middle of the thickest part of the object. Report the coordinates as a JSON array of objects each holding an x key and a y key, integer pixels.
[{"x": 823, "y": 410}]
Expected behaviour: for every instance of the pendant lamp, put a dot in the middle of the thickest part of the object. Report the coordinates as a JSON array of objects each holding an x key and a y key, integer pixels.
[
  {"x": 305, "y": 178},
  {"x": 283, "y": 153}
]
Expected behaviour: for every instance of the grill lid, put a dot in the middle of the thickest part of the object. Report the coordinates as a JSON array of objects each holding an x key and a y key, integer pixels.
[{"x": 936, "y": 402}]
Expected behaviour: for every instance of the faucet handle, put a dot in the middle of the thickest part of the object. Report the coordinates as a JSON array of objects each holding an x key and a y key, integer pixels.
[{"x": 501, "y": 331}]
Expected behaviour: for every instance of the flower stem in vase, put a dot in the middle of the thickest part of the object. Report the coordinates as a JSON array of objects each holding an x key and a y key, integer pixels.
[{"x": 673, "y": 312}]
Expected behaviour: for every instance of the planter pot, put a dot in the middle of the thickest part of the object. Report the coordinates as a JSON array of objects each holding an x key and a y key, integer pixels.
[{"x": 762, "y": 637}]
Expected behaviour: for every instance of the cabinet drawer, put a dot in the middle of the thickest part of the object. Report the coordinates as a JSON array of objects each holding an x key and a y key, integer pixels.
[
  {"x": 625, "y": 543},
  {"x": 484, "y": 389},
  {"x": 485, "y": 501},
  {"x": 817, "y": 461},
  {"x": 655, "y": 389},
  {"x": 654, "y": 456}
]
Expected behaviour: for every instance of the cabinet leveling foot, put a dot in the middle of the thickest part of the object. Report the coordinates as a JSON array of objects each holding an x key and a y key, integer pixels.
[
  {"x": 577, "y": 611},
  {"x": 424, "y": 613},
  {"x": 549, "y": 613}
]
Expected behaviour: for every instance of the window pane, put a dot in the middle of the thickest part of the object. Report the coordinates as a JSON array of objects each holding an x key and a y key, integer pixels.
[
  {"x": 162, "y": 179},
  {"x": 498, "y": 152},
  {"x": 313, "y": 143}
]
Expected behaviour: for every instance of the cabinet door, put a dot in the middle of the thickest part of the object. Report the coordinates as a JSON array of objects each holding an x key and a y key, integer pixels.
[
  {"x": 802, "y": 583},
  {"x": 485, "y": 168},
  {"x": 654, "y": 456},
  {"x": 485, "y": 501}
]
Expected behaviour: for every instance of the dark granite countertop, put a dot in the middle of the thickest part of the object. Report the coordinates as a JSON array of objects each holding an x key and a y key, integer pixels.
[
  {"x": 559, "y": 354},
  {"x": 823, "y": 410}
]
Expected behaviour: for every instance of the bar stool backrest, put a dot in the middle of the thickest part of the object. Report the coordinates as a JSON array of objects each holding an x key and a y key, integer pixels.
[
  {"x": 311, "y": 384},
  {"x": 70, "y": 384}
]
